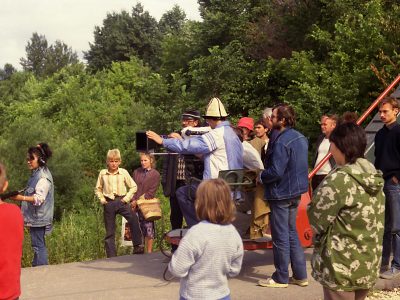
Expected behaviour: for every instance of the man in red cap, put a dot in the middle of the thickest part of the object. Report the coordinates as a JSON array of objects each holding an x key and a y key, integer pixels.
[{"x": 246, "y": 124}]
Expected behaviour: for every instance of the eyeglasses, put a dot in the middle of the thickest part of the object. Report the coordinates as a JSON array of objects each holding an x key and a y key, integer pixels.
[{"x": 187, "y": 120}]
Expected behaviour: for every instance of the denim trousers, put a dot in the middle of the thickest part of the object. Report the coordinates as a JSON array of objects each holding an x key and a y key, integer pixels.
[
  {"x": 391, "y": 236},
  {"x": 186, "y": 196},
  {"x": 286, "y": 245},
  {"x": 111, "y": 209},
  {"x": 39, "y": 246}
]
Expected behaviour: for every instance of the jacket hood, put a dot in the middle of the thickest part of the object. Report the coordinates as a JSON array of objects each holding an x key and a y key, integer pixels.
[{"x": 366, "y": 175}]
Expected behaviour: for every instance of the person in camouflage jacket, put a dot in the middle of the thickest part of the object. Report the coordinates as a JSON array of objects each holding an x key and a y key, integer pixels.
[{"x": 347, "y": 218}]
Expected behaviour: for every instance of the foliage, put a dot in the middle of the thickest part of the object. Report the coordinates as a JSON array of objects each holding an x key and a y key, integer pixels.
[
  {"x": 178, "y": 49},
  {"x": 172, "y": 21},
  {"x": 44, "y": 60},
  {"x": 232, "y": 79},
  {"x": 224, "y": 21},
  {"x": 122, "y": 36},
  {"x": 79, "y": 236},
  {"x": 81, "y": 117},
  {"x": 7, "y": 71},
  {"x": 319, "y": 56}
]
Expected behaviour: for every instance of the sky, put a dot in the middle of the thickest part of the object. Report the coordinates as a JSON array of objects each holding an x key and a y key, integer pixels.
[{"x": 71, "y": 21}]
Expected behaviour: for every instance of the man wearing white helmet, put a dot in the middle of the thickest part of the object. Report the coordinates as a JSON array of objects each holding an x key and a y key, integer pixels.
[{"x": 221, "y": 150}]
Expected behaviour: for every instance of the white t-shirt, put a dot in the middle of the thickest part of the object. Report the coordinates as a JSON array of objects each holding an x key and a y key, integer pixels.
[
  {"x": 251, "y": 158},
  {"x": 322, "y": 152}
]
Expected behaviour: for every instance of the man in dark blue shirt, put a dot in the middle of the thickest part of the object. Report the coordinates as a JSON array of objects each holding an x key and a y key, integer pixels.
[{"x": 387, "y": 159}]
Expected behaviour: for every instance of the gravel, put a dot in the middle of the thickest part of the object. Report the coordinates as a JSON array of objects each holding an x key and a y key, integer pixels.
[{"x": 380, "y": 295}]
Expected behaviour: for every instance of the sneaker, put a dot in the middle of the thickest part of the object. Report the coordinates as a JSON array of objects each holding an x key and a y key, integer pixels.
[
  {"x": 272, "y": 284},
  {"x": 302, "y": 283},
  {"x": 390, "y": 274},
  {"x": 267, "y": 235},
  {"x": 263, "y": 239},
  {"x": 138, "y": 249}
]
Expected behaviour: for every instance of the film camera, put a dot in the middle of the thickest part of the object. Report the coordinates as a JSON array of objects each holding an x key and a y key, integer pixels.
[
  {"x": 143, "y": 144},
  {"x": 194, "y": 166}
]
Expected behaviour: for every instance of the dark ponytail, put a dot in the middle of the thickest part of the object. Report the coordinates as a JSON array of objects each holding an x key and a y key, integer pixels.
[{"x": 42, "y": 151}]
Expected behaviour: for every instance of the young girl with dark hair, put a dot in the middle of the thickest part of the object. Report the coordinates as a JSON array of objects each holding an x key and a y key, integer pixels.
[{"x": 38, "y": 201}]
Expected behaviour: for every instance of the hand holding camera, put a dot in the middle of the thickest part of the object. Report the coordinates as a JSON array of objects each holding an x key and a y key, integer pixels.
[{"x": 154, "y": 136}]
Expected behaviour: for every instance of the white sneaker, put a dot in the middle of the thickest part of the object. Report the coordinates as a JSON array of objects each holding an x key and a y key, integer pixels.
[
  {"x": 390, "y": 274},
  {"x": 272, "y": 283}
]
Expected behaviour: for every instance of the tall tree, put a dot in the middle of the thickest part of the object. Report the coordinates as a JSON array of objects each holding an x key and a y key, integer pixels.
[
  {"x": 58, "y": 56},
  {"x": 172, "y": 21},
  {"x": 7, "y": 71},
  {"x": 224, "y": 21},
  {"x": 43, "y": 60},
  {"x": 36, "y": 52},
  {"x": 124, "y": 35},
  {"x": 179, "y": 48}
]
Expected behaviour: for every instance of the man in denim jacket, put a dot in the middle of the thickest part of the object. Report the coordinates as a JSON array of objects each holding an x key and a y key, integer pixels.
[{"x": 285, "y": 179}]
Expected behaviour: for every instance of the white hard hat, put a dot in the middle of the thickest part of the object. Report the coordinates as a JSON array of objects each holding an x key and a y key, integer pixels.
[{"x": 215, "y": 109}]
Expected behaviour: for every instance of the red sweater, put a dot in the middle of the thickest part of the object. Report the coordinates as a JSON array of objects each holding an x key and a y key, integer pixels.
[{"x": 11, "y": 237}]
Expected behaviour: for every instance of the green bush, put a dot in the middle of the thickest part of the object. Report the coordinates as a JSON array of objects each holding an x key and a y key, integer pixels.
[{"x": 79, "y": 235}]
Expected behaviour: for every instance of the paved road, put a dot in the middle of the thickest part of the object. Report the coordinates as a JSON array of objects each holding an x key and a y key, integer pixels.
[{"x": 140, "y": 277}]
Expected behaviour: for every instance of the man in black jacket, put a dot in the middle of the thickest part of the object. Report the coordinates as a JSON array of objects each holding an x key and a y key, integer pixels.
[
  {"x": 328, "y": 123},
  {"x": 173, "y": 175},
  {"x": 387, "y": 159}
]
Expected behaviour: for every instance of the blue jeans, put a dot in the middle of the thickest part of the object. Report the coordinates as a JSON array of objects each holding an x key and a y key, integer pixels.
[
  {"x": 39, "y": 246},
  {"x": 286, "y": 245},
  {"x": 186, "y": 203},
  {"x": 391, "y": 236}
]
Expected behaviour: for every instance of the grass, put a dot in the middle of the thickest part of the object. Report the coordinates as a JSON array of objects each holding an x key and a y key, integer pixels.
[{"x": 79, "y": 235}]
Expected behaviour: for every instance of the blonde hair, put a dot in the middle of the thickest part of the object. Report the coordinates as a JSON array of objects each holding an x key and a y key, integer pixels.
[
  {"x": 214, "y": 202},
  {"x": 113, "y": 154},
  {"x": 150, "y": 157}
]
